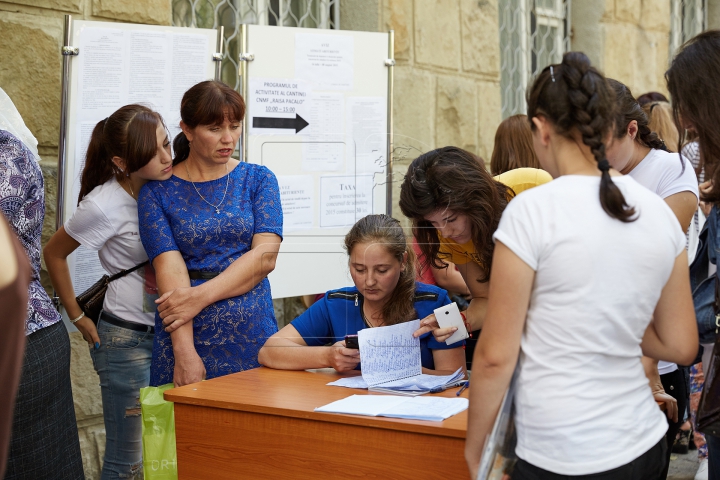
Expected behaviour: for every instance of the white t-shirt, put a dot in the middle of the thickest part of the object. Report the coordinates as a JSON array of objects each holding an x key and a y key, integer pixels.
[
  {"x": 107, "y": 220},
  {"x": 662, "y": 173},
  {"x": 583, "y": 404}
]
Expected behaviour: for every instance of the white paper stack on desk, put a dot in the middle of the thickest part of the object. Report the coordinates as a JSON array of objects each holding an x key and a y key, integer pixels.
[
  {"x": 419, "y": 408},
  {"x": 391, "y": 363}
]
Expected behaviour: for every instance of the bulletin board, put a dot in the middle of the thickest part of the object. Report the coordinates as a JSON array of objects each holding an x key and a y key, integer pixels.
[
  {"x": 319, "y": 117},
  {"x": 107, "y": 65}
]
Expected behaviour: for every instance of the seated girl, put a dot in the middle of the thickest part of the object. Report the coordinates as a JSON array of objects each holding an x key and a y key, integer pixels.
[{"x": 382, "y": 266}]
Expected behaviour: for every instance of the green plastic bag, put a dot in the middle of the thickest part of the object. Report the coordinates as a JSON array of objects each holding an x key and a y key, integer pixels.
[{"x": 158, "y": 434}]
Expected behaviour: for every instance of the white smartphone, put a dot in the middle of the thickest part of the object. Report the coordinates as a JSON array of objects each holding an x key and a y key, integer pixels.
[{"x": 449, "y": 316}]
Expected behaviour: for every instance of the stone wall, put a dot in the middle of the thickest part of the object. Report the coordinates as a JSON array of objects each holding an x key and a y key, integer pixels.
[
  {"x": 447, "y": 75},
  {"x": 30, "y": 73},
  {"x": 626, "y": 39}
]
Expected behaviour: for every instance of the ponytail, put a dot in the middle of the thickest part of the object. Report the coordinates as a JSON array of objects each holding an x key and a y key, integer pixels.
[
  {"x": 628, "y": 109},
  {"x": 575, "y": 96},
  {"x": 98, "y": 166},
  {"x": 181, "y": 147}
]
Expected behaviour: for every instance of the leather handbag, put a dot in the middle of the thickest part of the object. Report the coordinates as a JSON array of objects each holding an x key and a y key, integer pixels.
[{"x": 91, "y": 300}]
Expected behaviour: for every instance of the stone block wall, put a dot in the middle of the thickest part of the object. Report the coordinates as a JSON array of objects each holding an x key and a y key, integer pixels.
[
  {"x": 627, "y": 39},
  {"x": 447, "y": 74},
  {"x": 30, "y": 73}
]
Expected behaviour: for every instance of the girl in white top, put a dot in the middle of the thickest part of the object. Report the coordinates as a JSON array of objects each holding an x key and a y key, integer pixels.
[
  {"x": 638, "y": 152},
  {"x": 126, "y": 150},
  {"x": 576, "y": 278}
]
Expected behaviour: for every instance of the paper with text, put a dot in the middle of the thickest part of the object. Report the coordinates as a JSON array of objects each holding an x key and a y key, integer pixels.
[{"x": 390, "y": 353}]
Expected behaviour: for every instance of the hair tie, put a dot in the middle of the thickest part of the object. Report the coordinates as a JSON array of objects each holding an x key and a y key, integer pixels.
[
  {"x": 552, "y": 73},
  {"x": 604, "y": 165}
]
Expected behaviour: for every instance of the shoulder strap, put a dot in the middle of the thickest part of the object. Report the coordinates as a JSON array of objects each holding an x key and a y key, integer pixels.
[{"x": 129, "y": 270}]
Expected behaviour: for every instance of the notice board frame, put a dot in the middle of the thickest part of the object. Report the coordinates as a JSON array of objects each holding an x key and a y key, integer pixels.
[{"x": 313, "y": 261}]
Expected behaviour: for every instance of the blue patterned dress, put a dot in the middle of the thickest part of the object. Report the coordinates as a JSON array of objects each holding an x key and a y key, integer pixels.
[{"x": 229, "y": 333}]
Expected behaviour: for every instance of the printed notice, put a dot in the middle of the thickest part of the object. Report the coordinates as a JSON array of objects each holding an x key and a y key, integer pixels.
[
  {"x": 101, "y": 82},
  {"x": 324, "y": 144},
  {"x": 345, "y": 199},
  {"x": 326, "y": 61},
  {"x": 278, "y": 106},
  {"x": 86, "y": 269},
  {"x": 367, "y": 126},
  {"x": 297, "y": 198}
]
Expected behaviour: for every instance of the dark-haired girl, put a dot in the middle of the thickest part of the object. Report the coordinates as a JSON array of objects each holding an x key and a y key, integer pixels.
[
  {"x": 212, "y": 232},
  {"x": 696, "y": 105},
  {"x": 126, "y": 150},
  {"x": 382, "y": 266},
  {"x": 637, "y": 151},
  {"x": 589, "y": 273},
  {"x": 455, "y": 206}
]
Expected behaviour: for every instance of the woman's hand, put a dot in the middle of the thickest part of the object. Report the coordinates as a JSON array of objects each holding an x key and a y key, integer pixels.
[
  {"x": 341, "y": 358},
  {"x": 189, "y": 368},
  {"x": 667, "y": 404},
  {"x": 430, "y": 324},
  {"x": 179, "y": 306},
  {"x": 89, "y": 331}
]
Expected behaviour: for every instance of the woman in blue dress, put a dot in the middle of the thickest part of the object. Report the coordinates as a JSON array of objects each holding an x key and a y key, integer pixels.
[
  {"x": 212, "y": 231},
  {"x": 382, "y": 266}
]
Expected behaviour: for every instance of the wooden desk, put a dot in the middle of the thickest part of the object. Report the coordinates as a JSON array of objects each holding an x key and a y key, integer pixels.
[{"x": 261, "y": 424}]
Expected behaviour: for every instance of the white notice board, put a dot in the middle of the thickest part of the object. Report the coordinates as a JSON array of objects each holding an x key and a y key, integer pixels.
[
  {"x": 317, "y": 117},
  {"x": 119, "y": 64}
]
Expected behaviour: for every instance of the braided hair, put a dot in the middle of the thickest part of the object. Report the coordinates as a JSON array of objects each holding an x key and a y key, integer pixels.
[
  {"x": 575, "y": 97},
  {"x": 627, "y": 110}
]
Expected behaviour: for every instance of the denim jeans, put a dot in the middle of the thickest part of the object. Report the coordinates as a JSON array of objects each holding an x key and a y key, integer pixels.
[
  {"x": 713, "y": 444},
  {"x": 123, "y": 364}
]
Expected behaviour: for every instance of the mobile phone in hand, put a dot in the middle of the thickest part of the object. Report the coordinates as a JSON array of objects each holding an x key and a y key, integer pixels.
[
  {"x": 351, "y": 341},
  {"x": 449, "y": 316}
]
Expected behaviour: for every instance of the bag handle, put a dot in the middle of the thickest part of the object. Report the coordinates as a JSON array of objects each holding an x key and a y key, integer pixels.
[{"x": 128, "y": 271}]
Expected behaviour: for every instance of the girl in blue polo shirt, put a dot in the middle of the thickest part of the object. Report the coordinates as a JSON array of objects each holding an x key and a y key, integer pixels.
[{"x": 382, "y": 266}]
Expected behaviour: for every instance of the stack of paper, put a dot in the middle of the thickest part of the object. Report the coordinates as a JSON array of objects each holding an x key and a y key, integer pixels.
[
  {"x": 434, "y": 409},
  {"x": 391, "y": 363}
]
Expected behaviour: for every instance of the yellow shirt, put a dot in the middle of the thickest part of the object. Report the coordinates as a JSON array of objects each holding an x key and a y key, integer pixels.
[{"x": 519, "y": 180}]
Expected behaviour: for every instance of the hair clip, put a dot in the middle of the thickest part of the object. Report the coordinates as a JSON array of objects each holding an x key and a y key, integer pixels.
[{"x": 552, "y": 73}]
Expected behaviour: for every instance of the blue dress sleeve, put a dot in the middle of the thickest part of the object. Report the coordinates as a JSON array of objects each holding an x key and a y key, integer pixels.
[
  {"x": 267, "y": 209},
  {"x": 433, "y": 344},
  {"x": 314, "y": 324},
  {"x": 155, "y": 231}
]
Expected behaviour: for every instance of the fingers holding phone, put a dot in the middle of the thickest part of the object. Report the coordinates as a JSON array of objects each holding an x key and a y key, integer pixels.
[{"x": 342, "y": 358}]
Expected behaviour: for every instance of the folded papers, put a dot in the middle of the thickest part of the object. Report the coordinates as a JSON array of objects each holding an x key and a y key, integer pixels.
[{"x": 434, "y": 409}]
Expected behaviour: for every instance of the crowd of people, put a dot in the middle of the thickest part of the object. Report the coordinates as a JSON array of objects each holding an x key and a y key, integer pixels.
[{"x": 585, "y": 256}]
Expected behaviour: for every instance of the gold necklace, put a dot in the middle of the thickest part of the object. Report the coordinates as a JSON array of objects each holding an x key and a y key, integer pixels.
[{"x": 216, "y": 207}]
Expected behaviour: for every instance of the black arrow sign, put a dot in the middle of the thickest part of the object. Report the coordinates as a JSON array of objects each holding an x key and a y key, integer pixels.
[{"x": 297, "y": 123}]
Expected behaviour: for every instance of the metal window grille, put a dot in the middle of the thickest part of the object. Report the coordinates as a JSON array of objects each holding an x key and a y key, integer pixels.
[
  {"x": 233, "y": 13},
  {"x": 687, "y": 19},
  {"x": 533, "y": 34}
]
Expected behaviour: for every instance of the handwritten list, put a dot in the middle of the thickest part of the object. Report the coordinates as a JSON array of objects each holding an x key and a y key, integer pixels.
[{"x": 389, "y": 353}]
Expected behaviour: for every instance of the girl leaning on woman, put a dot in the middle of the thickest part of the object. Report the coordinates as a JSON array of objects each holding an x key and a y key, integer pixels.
[{"x": 126, "y": 150}]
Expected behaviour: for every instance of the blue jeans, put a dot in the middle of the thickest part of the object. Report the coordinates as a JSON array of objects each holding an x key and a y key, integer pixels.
[
  {"x": 123, "y": 364},
  {"x": 713, "y": 444}
]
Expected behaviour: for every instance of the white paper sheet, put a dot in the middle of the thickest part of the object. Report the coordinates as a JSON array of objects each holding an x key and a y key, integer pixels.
[
  {"x": 149, "y": 64},
  {"x": 285, "y": 98},
  {"x": 367, "y": 127},
  {"x": 85, "y": 269},
  {"x": 417, "y": 382},
  {"x": 389, "y": 353},
  {"x": 297, "y": 194},
  {"x": 326, "y": 61},
  {"x": 414, "y": 408},
  {"x": 102, "y": 85},
  {"x": 345, "y": 199},
  {"x": 324, "y": 142}
]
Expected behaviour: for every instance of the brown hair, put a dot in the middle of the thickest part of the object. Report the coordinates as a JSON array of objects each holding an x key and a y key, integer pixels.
[
  {"x": 206, "y": 103},
  {"x": 651, "y": 97},
  {"x": 513, "y": 146},
  {"x": 454, "y": 179},
  {"x": 387, "y": 231},
  {"x": 575, "y": 97},
  {"x": 660, "y": 121},
  {"x": 129, "y": 133},
  {"x": 627, "y": 110},
  {"x": 692, "y": 82}
]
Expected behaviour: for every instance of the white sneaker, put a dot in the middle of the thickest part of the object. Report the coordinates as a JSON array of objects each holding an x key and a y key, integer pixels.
[{"x": 702, "y": 472}]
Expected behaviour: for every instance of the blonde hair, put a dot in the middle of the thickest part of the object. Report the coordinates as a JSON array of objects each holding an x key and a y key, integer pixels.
[{"x": 660, "y": 121}]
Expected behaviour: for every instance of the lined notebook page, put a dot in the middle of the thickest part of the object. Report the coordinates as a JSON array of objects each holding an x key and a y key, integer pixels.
[{"x": 389, "y": 353}]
